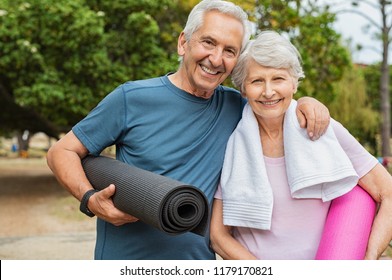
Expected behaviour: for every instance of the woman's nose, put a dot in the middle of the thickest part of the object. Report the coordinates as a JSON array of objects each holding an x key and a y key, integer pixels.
[{"x": 268, "y": 91}]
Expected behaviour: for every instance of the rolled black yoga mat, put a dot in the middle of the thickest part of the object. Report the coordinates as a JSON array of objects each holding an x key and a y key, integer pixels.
[{"x": 166, "y": 204}]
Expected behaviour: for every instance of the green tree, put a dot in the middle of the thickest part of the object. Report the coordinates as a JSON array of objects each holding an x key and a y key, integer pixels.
[
  {"x": 171, "y": 22},
  {"x": 133, "y": 36},
  {"x": 372, "y": 76},
  {"x": 51, "y": 55},
  {"x": 58, "y": 58},
  {"x": 384, "y": 90},
  {"x": 325, "y": 60},
  {"x": 381, "y": 31},
  {"x": 354, "y": 109}
]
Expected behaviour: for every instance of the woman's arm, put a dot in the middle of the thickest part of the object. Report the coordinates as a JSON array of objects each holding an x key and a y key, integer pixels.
[
  {"x": 375, "y": 180},
  {"x": 378, "y": 183},
  {"x": 222, "y": 241}
]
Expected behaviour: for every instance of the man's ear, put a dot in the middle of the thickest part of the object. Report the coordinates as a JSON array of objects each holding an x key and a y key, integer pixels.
[
  {"x": 295, "y": 87},
  {"x": 181, "y": 44}
]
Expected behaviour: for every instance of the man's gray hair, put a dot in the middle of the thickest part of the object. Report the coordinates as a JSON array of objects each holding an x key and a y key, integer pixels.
[
  {"x": 196, "y": 17},
  {"x": 269, "y": 49}
]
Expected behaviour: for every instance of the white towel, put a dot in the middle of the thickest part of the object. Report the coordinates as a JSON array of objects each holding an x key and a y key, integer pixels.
[{"x": 315, "y": 169}]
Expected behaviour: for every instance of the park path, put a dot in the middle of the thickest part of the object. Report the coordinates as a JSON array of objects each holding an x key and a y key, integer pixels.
[{"x": 39, "y": 219}]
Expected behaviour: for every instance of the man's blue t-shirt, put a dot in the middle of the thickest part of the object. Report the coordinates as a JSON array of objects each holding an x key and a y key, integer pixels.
[{"x": 158, "y": 127}]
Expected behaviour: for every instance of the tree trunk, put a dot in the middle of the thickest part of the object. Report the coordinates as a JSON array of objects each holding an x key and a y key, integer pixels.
[
  {"x": 385, "y": 112},
  {"x": 384, "y": 88}
]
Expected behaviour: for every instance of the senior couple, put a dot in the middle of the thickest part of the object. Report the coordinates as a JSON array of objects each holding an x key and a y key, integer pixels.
[{"x": 184, "y": 126}]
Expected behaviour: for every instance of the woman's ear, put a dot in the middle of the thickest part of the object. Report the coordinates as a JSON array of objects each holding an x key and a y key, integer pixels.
[{"x": 181, "y": 44}]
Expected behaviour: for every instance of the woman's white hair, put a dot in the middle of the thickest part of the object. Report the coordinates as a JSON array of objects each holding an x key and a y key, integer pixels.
[
  {"x": 269, "y": 49},
  {"x": 196, "y": 17}
]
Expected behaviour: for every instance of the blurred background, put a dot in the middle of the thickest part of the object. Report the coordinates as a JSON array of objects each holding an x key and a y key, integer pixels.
[{"x": 59, "y": 58}]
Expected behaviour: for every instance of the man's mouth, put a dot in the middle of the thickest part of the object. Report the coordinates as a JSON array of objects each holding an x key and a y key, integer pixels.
[{"x": 208, "y": 70}]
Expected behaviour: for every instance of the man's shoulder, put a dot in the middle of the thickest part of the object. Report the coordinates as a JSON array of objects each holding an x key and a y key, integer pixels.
[
  {"x": 229, "y": 90},
  {"x": 142, "y": 84},
  {"x": 229, "y": 93}
]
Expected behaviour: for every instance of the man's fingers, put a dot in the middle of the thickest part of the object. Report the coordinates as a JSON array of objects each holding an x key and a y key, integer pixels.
[
  {"x": 308, "y": 122},
  {"x": 109, "y": 191},
  {"x": 301, "y": 119},
  {"x": 114, "y": 215},
  {"x": 321, "y": 124}
]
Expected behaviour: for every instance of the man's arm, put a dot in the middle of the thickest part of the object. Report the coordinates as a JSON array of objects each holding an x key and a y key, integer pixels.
[
  {"x": 313, "y": 115},
  {"x": 64, "y": 159}
]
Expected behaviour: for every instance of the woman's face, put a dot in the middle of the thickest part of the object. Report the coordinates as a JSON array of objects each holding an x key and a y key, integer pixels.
[{"x": 269, "y": 91}]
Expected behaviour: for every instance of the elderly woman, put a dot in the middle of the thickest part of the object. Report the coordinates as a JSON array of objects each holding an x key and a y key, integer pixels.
[{"x": 257, "y": 213}]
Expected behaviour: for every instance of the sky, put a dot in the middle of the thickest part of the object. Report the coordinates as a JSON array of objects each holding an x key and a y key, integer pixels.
[{"x": 351, "y": 26}]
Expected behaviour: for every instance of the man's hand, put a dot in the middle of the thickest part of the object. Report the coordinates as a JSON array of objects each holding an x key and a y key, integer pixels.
[
  {"x": 101, "y": 204},
  {"x": 313, "y": 115}
]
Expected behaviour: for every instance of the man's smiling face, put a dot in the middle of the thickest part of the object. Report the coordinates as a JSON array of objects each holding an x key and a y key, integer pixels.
[{"x": 211, "y": 54}]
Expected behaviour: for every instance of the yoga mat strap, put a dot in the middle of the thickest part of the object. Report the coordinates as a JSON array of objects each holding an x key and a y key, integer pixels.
[{"x": 164, "y": 203}]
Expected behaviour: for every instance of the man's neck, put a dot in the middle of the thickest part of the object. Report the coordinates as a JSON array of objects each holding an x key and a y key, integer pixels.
[{"x": 180, "y": 82}]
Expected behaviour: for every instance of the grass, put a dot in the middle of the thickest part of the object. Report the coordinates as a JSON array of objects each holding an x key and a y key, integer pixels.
[{"x": 388, "y": 251}]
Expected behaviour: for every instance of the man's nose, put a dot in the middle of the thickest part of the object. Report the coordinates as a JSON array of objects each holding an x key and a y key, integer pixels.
[{"x": 216, "y": 57}]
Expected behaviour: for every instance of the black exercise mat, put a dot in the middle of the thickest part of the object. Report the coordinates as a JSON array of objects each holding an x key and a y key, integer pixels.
[{"x": 166, "y": 204}]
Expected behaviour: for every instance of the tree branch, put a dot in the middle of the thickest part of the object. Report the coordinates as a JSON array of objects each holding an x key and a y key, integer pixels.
[
  {"x": 371, "y": 4},
  {"x": 365, "y": 16}
]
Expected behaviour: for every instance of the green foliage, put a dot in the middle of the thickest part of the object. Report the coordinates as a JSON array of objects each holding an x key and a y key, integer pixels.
[
  {"x": 61, "y": 57},
  {"x": 133, "y": 38},
  {"x": 51, "y": 54},
  {"x": 372, "y": 75},
  {"x": 279, "y": 15},
  {"x": 353, "y": 108},
  {"x": 324, "y": 58}
]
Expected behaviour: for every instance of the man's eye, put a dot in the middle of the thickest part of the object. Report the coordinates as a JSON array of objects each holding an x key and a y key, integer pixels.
[
  {"x": 231, "y": 53},
  {"x": 207, "y": 43}
]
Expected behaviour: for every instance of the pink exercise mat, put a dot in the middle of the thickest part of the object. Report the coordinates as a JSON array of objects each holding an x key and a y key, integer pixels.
[{"x": 347, "y": 228}]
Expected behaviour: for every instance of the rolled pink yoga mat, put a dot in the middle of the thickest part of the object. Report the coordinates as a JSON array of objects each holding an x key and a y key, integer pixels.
[{"x": 347, "y": 228}]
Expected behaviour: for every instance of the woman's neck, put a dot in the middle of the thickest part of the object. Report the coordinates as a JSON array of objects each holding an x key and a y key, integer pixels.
[{"x": 271, "y": 135}]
